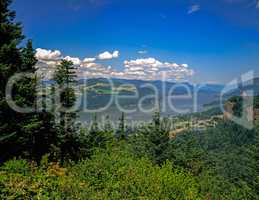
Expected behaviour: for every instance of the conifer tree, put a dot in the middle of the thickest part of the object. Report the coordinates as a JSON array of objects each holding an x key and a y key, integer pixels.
[
  {"x": 96, "y": 137},
  {"x": 10, "y": 60},
  {"x": 65, "y": 77},
  {"x": 39, "y": 127},
  {"x": 17, "y": 129},
  {"x": 153, "y": 139},
  {"x": 107, "y": 126},
  {"x": 121, "y": 134}
]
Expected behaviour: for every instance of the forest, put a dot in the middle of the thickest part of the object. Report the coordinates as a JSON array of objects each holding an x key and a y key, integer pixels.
[{"x": 42, "y": 158}]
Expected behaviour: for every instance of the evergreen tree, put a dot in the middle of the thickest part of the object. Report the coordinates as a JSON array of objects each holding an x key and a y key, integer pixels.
[
  {"x": 121, "y": 133},
  {"x": 20, "y": 133},
  {"x": 10, "y": 60},
  {"x": 94, "y": 126},
  {"x": 153, "y": 139},
  {"x": 108, "y": 126},
  {"x": 159, "y": 139},
  {"x": 96, "y": 137},
  {"x": 68, "y": 129},
  {"x": 39, "y": 127},
  {"x": 157, "y": 120}
]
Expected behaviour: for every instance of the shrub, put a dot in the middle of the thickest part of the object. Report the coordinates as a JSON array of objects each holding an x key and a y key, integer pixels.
[{"x": 111, "y": 174}]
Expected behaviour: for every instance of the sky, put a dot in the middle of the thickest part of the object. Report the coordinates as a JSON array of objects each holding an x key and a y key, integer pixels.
[{"x": 195, "y": 40}]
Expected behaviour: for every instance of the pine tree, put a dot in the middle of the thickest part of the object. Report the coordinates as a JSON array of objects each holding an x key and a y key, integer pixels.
[
  {"x": 153, "y": 139},
  {"x": 10, "y": 60},
  {"x": 92, "y": 138},
  {"x": 157, "y": 120},
  {"x": 121, "y": 134},
  {"x": 69, "y": 142},
  {"x": 108, "y": 126},
  {"x": 39, "y": 130},
  {"x": 17, "y": 129},
  {"x": 96, "y": 138},
  {"x": 94, "y": 127}
]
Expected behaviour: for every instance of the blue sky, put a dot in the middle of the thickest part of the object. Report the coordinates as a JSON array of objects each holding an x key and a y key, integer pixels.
[{"x": 219, "y": 40}]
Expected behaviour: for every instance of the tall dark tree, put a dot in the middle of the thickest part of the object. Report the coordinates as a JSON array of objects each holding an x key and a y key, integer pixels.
[
  {"x": 17, "y": 129},
  {"x": 153, "y": 139},
  {"x": 65, "y": 77},
  {"x": 121, "y": 133},
  {"x": 21, "y": 134},
  {"x": 10, "y": 60},
  {"x": 97, "y": 137},
  {"x": 108, "y": 126}
]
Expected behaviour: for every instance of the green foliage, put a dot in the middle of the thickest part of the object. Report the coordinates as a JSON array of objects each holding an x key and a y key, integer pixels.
[
  {"x": 22, "y": 180},
  {"x": 121, "y": 133},
  {"x": 117, "y": 174},
  {"x": 17, "y": 167},
  {"x": 143, "y": 163},
  {"x": 21, "y": 134},
  {"x": 10, "y": 63},
  {"x": 95, "y": 138},
  {"x": 238, "y": 105},
  {"x": 223, "y": 158},
  {"x": 256, "y": 102},
  {"x": 113, "y": 174},
  {"x": 68, "y": 145},
  {"x": 152, "y": 139}
]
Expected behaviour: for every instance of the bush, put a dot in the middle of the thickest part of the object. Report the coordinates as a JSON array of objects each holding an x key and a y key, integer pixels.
[
  {"x": 112, "y": 174},
  {"x": 117, "y": 174}
]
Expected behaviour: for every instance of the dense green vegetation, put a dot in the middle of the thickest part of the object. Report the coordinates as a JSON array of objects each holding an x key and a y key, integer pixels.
[
  {"x": 29, "y": 134},
  {"x": 256, "y": 102},
  {"x": 220, "y": 163},
  {"x": 112, "y": 174},
  {"x": 43, "y": 158}
]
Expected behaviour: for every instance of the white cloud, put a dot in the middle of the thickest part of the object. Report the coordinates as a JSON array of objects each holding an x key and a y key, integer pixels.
[
  {"x": 89, "y": 60},
  {"x": 257, "y": 5},
  {"x": 185, "y": 65},
  {"x": 143, "y": 69},
  {"x": 88, "y": 65},
  {"x": 43, "y": 54},
  {"x": 116, "y": 54},
  {"x": 108, "y": 56},
  {"x": 48, "y": 61},
  {"x": 193, "y": 9},
  {"x": 142, "y": 52},
  {"x": 93, "y": 70},
  {"x": 146, "y": 62},
  {"x": 76, "y": 61},
  {"x": 152, "y": 69}
]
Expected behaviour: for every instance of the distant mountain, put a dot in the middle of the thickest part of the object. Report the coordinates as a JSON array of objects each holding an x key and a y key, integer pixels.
[
  {"x": 99, "y": 92},
  {"x": 213, "y": 87},
  {"x": 158, "y": 84},
  {"x": 252, "y": 85}
]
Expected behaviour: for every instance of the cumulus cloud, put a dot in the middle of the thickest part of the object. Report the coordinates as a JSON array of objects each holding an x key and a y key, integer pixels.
[
  {"x": 116, "y": 54},
  {"x": 89, "y": 60},
  {"x": 108, "y": 56},
  {"x": 94, "y": 70},
  {"x": 144, "y": 69},
  {"x": 43, "y": 54},
  {"x": 257, "y": 5},
  {"x": 153, "y": 69},
  {"x": 88, "y": 65},
  {"x": 48, "y": 61},
  {"x": 193, "y": 9},
  {"x": 75, "y": 61}
]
